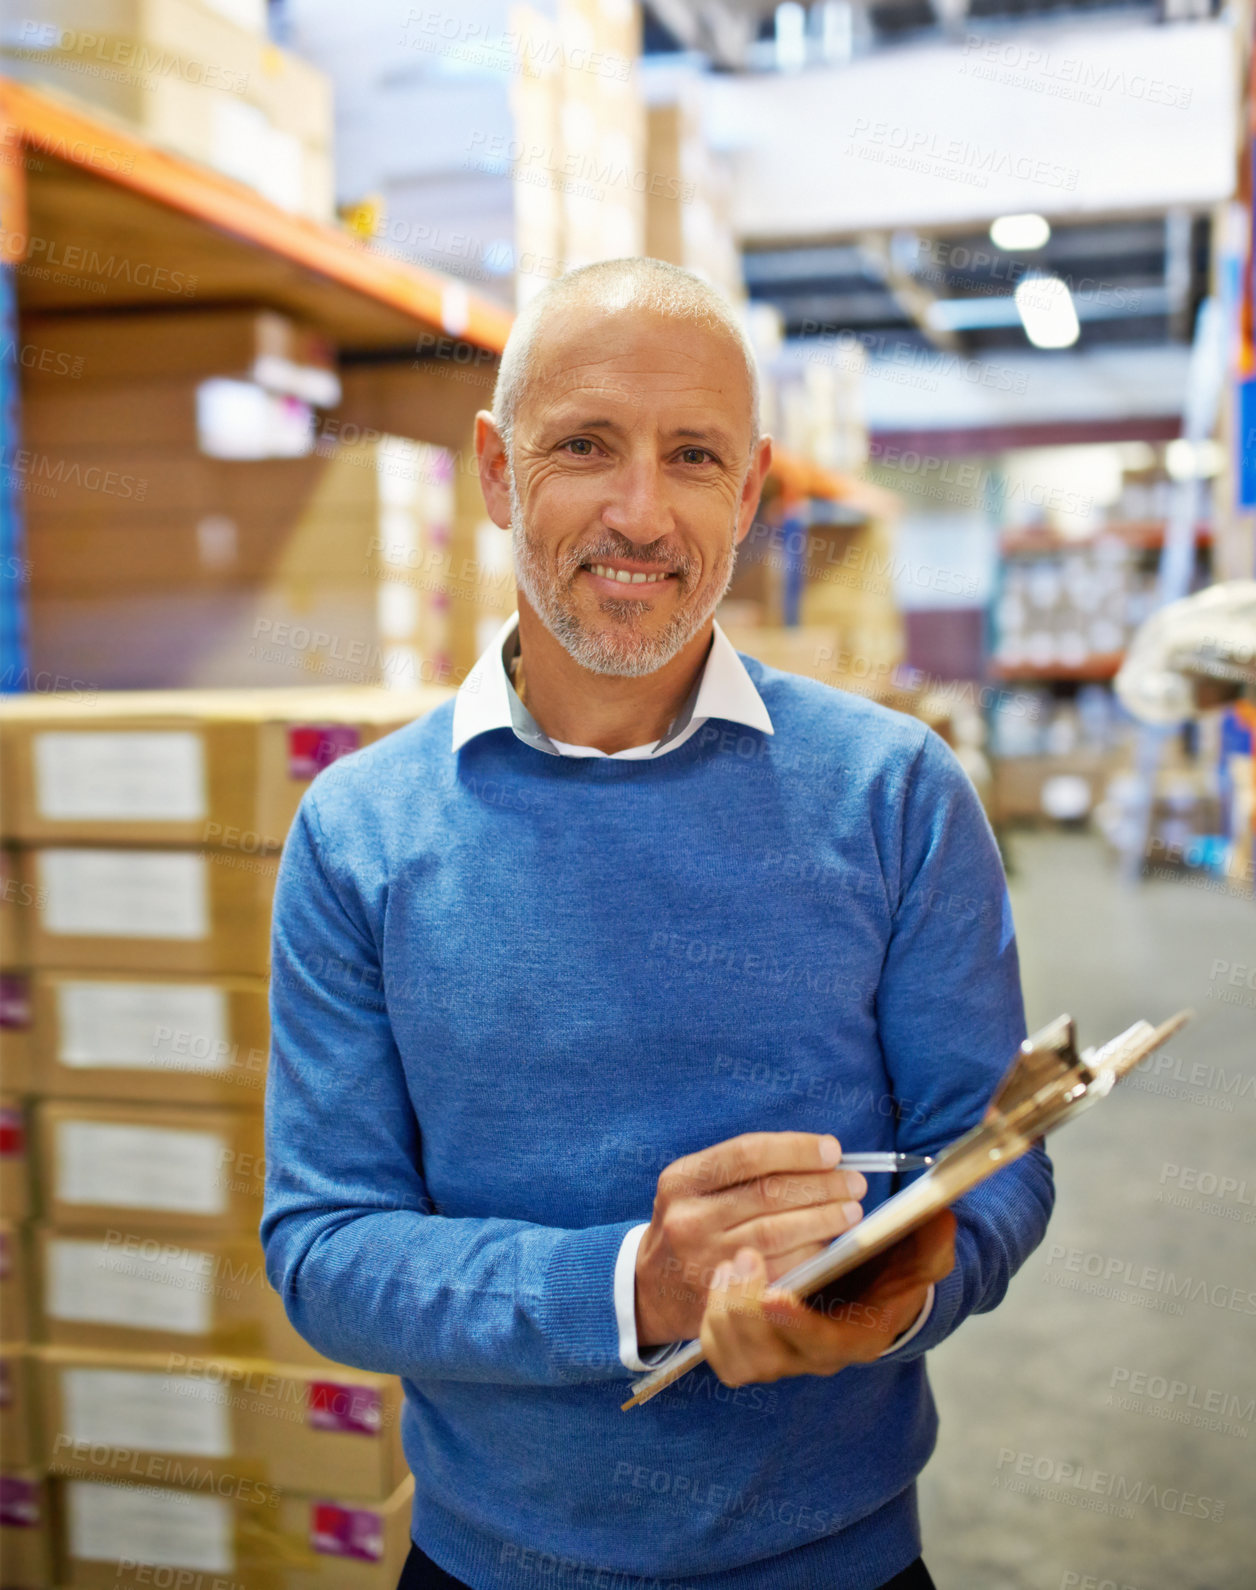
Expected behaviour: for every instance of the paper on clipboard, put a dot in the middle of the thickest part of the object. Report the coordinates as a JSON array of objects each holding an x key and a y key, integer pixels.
[{"x": 1047, "y": 1084}]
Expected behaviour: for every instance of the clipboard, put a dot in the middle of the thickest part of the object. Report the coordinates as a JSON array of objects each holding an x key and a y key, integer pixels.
[{"x": 1047, "y": 1084}]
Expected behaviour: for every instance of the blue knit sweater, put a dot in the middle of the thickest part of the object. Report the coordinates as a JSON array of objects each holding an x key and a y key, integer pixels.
[{"x": 508, "y": 989}]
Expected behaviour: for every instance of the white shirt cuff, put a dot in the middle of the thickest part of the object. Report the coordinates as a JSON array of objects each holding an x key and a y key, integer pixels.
[
  {"x": 926, "y": 1309},
  {"x": 626, "y": 1306},
  {"x": 626, "y": 1311}
]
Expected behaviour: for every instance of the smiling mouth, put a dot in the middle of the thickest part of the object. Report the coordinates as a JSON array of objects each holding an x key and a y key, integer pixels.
[{"x": 607, "y": 571}]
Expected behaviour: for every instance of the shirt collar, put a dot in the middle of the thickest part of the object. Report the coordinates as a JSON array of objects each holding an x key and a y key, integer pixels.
[{"x": 487, "y": 700}]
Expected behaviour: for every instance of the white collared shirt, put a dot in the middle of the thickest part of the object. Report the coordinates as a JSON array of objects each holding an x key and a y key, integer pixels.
[{"x": 487, "y": 700}]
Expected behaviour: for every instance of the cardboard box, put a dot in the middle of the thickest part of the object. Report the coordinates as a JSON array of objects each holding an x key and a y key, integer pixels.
[
  {"x": 220, "y": 768},
  {"x": 432, "y": 400},
  {"x": 17, "y": 1430},
  {"x": 15, "y": 1323},
  {"x": 802, "y": 649},
  {"x": 239, "y": 105},
  {"x": 261, "y": 637},
  {"x": 57, "y": 419},
  {"x": 115, "y": 1537},
  {"x": 349, "y": 1546},
  {"x": 1019, "y": 781},
  {"x": 135, "y": 1416},
  {"x": 105, "y": 485},
  {"x": 86, "y": 352},
  {"x": 15, "y": 1177},
  {"x": 384, "y": 529},
  {"x": 15, "y": 1032},
  {"x": 182, "y": 29},
  {"x": 187, "y": 552},
  {"x": 15, "y": 903},
  {"x": 25, "y": 1531},
  {"x": 145, "y": 1289},
  {"x": 296, "y": 96},
  {"x": 112, "y": 1166},
  {"x": 109, "y": 485},
  {"x": 169, "y": 1040},
  {"x": 122, "y": 908}
]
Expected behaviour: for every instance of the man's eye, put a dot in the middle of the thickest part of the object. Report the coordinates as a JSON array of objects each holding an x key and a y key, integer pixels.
[
  {"x": 580, "y": 445},
  {"x": 695, "y": 455}
]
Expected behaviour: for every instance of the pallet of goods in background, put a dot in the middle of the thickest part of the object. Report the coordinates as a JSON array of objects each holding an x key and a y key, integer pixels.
[
  {"x": 689, "y": 198},
  {"x": 813, "y": 588},
  {"x": 199, "y": 78},
  {"x": 848, "y": 631},
  {"x": 161, "y": 1414},
  {"x": 579, "y": 120},
  {"x": 198, "y": 514},
  {"x": 1064, "y": 613}
]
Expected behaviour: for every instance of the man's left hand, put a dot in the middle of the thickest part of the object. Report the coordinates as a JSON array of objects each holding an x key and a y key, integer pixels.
[{"x": 752, "y": 1332}]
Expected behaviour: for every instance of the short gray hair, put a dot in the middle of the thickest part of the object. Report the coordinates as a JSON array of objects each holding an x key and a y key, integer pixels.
[{"x": 612, "y": 285}]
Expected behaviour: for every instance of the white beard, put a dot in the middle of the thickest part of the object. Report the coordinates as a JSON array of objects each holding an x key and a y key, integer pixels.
[{"x": 622, "y": 650}]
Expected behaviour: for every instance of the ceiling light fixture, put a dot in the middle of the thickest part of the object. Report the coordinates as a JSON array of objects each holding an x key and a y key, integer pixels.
[
  {"x": 1045, "y": 306},
  {"x": 1018, "y": 233}
]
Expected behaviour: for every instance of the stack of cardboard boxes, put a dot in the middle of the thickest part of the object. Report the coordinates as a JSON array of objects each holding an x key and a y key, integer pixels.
[
  {"x": 161, "y": 1413},
  {"x": 193, "y": 519},
  {"x": 689, "y": 198},
  {"x": 581, "y": 167},
  {"x": 25, "y": 1536},
  {"x": 849, "y": 589},
  {"x": 813, "y": 590},
  {"x": 197, "y": 77}
]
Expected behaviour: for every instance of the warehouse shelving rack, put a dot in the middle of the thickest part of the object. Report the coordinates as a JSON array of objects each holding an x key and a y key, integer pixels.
[
  {"x": 76, "y": 188},
  {"x": 1138, "y": 536}
]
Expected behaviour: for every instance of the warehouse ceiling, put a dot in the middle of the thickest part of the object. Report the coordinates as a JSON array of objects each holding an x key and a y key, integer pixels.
[
  {"x": 1136, "y": 279},
  {"x": 732, "y": 33},
  {"x": 1133, "y": 282}
]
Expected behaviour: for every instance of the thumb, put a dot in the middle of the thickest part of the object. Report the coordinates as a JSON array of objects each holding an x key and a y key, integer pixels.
[{"x": 738, "y": 1282}]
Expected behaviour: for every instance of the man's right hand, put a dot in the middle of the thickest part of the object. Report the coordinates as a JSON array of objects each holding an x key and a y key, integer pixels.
[{"x": 776, "y": 1192}]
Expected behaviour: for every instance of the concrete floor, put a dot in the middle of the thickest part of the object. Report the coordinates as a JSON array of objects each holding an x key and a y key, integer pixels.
[{"x": 1058, "y": 1467}]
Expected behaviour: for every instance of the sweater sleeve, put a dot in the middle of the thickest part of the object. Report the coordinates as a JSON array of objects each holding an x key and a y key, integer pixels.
[
  {"x": 369, "y": 1273},
  {"x": 950, "y": 1017}
]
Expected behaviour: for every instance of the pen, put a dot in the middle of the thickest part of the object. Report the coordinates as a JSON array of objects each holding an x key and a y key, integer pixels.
[{"x": 876, "y": 1162}]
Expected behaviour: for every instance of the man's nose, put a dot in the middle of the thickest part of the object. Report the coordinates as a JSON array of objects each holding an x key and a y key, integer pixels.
[{"x": 638, "y": 508}]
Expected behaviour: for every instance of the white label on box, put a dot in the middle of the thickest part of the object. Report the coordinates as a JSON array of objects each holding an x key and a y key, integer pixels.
[
  {"x": 147, "y": 1411},
  {"x": 237, "y": 138},
  {"x": 121, "y": 1166},
  {"x": 127, "y": 1523},
  {"x": 92, "y": 1284},
  {"x": 143, "y": 1026},
  {"x": 153, "y": 776},
  {"x": 130, "y": 894}
]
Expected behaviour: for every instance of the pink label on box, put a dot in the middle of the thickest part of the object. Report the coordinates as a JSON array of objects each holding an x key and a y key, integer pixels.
[
  {"x": 15, "y": 1001},
  {"x": 12, "y": 1132},
  {"x": 351, "y": 1410},
  {"x": 19, "y": 1502},
  {"x": 314, "y": 746},
  {"x": 347, "y": 1532}
]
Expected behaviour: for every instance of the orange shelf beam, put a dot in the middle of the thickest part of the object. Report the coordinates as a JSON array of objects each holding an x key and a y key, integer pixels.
[
  {"x": 1102, "y": 666},
  {"x": 1140, "y": 535},
  {"x": 37, "y": 122}
]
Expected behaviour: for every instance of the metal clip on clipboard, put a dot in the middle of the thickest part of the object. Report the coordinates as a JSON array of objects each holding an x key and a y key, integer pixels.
[{"x": 1047, "y": 1083}]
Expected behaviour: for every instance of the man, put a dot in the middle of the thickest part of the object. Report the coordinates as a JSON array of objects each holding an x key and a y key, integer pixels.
[{"x": 581, "y": 982}]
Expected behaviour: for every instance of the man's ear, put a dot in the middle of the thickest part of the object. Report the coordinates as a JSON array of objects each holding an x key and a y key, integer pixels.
[
  {"x": 490, "y": 455},
  {"x": 752, "y": 487}
]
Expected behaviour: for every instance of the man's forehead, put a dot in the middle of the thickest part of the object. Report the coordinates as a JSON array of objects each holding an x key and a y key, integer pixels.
[{"x": 587, "y": 355}]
